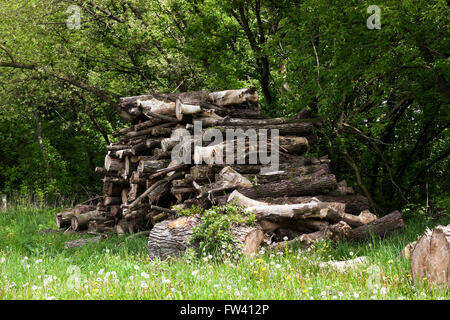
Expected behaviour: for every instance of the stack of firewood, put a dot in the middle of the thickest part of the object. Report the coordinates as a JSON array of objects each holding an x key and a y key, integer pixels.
[{"x": 163, "y": 160}]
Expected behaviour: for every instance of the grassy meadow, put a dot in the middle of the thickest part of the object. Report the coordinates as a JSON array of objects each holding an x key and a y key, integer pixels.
[{"x": 35, "y": 265}]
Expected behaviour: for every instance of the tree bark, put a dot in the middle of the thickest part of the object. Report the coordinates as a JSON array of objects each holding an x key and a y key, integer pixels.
[
  {"x": 380, "y": 227},
  {"x": 430, "y": 257},
  {"x": 169, "y": 238},
  {"x": 297, "y": 186}
]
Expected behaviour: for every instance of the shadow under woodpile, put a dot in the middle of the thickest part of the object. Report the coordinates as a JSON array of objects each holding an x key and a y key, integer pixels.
[{"x": 175, "y": 153}]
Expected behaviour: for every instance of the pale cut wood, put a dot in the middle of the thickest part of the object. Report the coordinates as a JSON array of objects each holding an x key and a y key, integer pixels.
[
  {"x": 229, "y": 97},
  {"x": 113, "y": 164},
  {"x": 157, "y": 106},
  {"x": 239, "y": 199},
  {"x": 430, "y": 257}
]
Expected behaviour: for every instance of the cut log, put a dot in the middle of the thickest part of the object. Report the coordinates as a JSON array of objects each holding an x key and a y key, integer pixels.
[
  {"x": 157, "y": 106},
  {"x": 296, "y": 186},
  {"x": 151, "y": 166},
  {"x": 239, "y": 199},
  {"x": 111, "y": 201},
  {"x": 111, "y": 189},
  {"x": 81, "y": 221},
  {"x": 380, "y": 227},
  {"x": 336, "y": 232},
  {"x": 63, "y": 218},
  {"x": 81, "y": 208},
  {"x": 354, "y": 204},
  {"x": 314, "y": 209},
  {"x": 113, "y": 164},
  {"x": 363, "y": 218},
  {"x": 430, "y": 258},
  {"x": 106, "y": 173},
  {"x": 169, "y": 238}
]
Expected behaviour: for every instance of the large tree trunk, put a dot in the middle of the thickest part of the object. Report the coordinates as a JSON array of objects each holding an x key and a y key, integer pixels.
[
  {"x": 170, "y": 237},
  {"x": 430, "y": 257}
]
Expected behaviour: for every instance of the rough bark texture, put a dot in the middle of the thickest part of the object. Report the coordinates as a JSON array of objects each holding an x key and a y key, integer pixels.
[
  {"x": 296, "y": 186},
  {"x": 169, "y": 238},
  {"x": 430, "y": 257},
  {"x": 380, "y": 227}
]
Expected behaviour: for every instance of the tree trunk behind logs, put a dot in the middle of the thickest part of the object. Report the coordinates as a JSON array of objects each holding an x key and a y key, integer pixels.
[
  {"x": 430, "y": 257},
  {"x": 170, "y": 237}
]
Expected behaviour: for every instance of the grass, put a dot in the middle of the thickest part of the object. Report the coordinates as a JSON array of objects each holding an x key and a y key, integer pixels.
[{"x": 35, "y": 265}]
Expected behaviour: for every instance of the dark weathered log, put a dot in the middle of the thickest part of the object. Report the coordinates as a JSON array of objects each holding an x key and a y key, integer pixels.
[
  {"x": 117, "y": 147},
  {"x": 101, "y": 226},
  {"x": 64, "y": 217},
  {"x": 111, "y": 201},
  {"x": 159, "y": 217},
  {"x": 159, "y": 154},
  {"x": 135, "y": 191},
  {"x": 82, "y": 208},
  {"x": 81, "y": 221},
  {"x": 121, "y": 154},
  {"x": 336, "y": 232},
  {"x": 111, "y": 189},
  {"x": 153, "y": 131},
  {"x": 319, "y": 169},
  {"x": 116, "y": 212},
  {"x": 122, "y": 131},
  {"x": 296, "y": 186},
  {"x": 81, "y": 242},
  {"x": 152, "y": 166},
  {"x": 106, "y": 173},
  {"x": 163, "y": 182},
  {"x": 138, "y": 178},
  {"x": 246, "y": 123},
  {"x": 430, "y": 257},
  {"x": 146, "y": 124},
  {"x": 380, "y": 227},
  {"x": 301, "y": 129},
  {"x": 131, "y": 226},
  {"x": 169, "y": 237}
]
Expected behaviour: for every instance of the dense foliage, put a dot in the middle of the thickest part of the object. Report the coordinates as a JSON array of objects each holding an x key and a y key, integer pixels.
[{"x": 385, "y": 92}]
